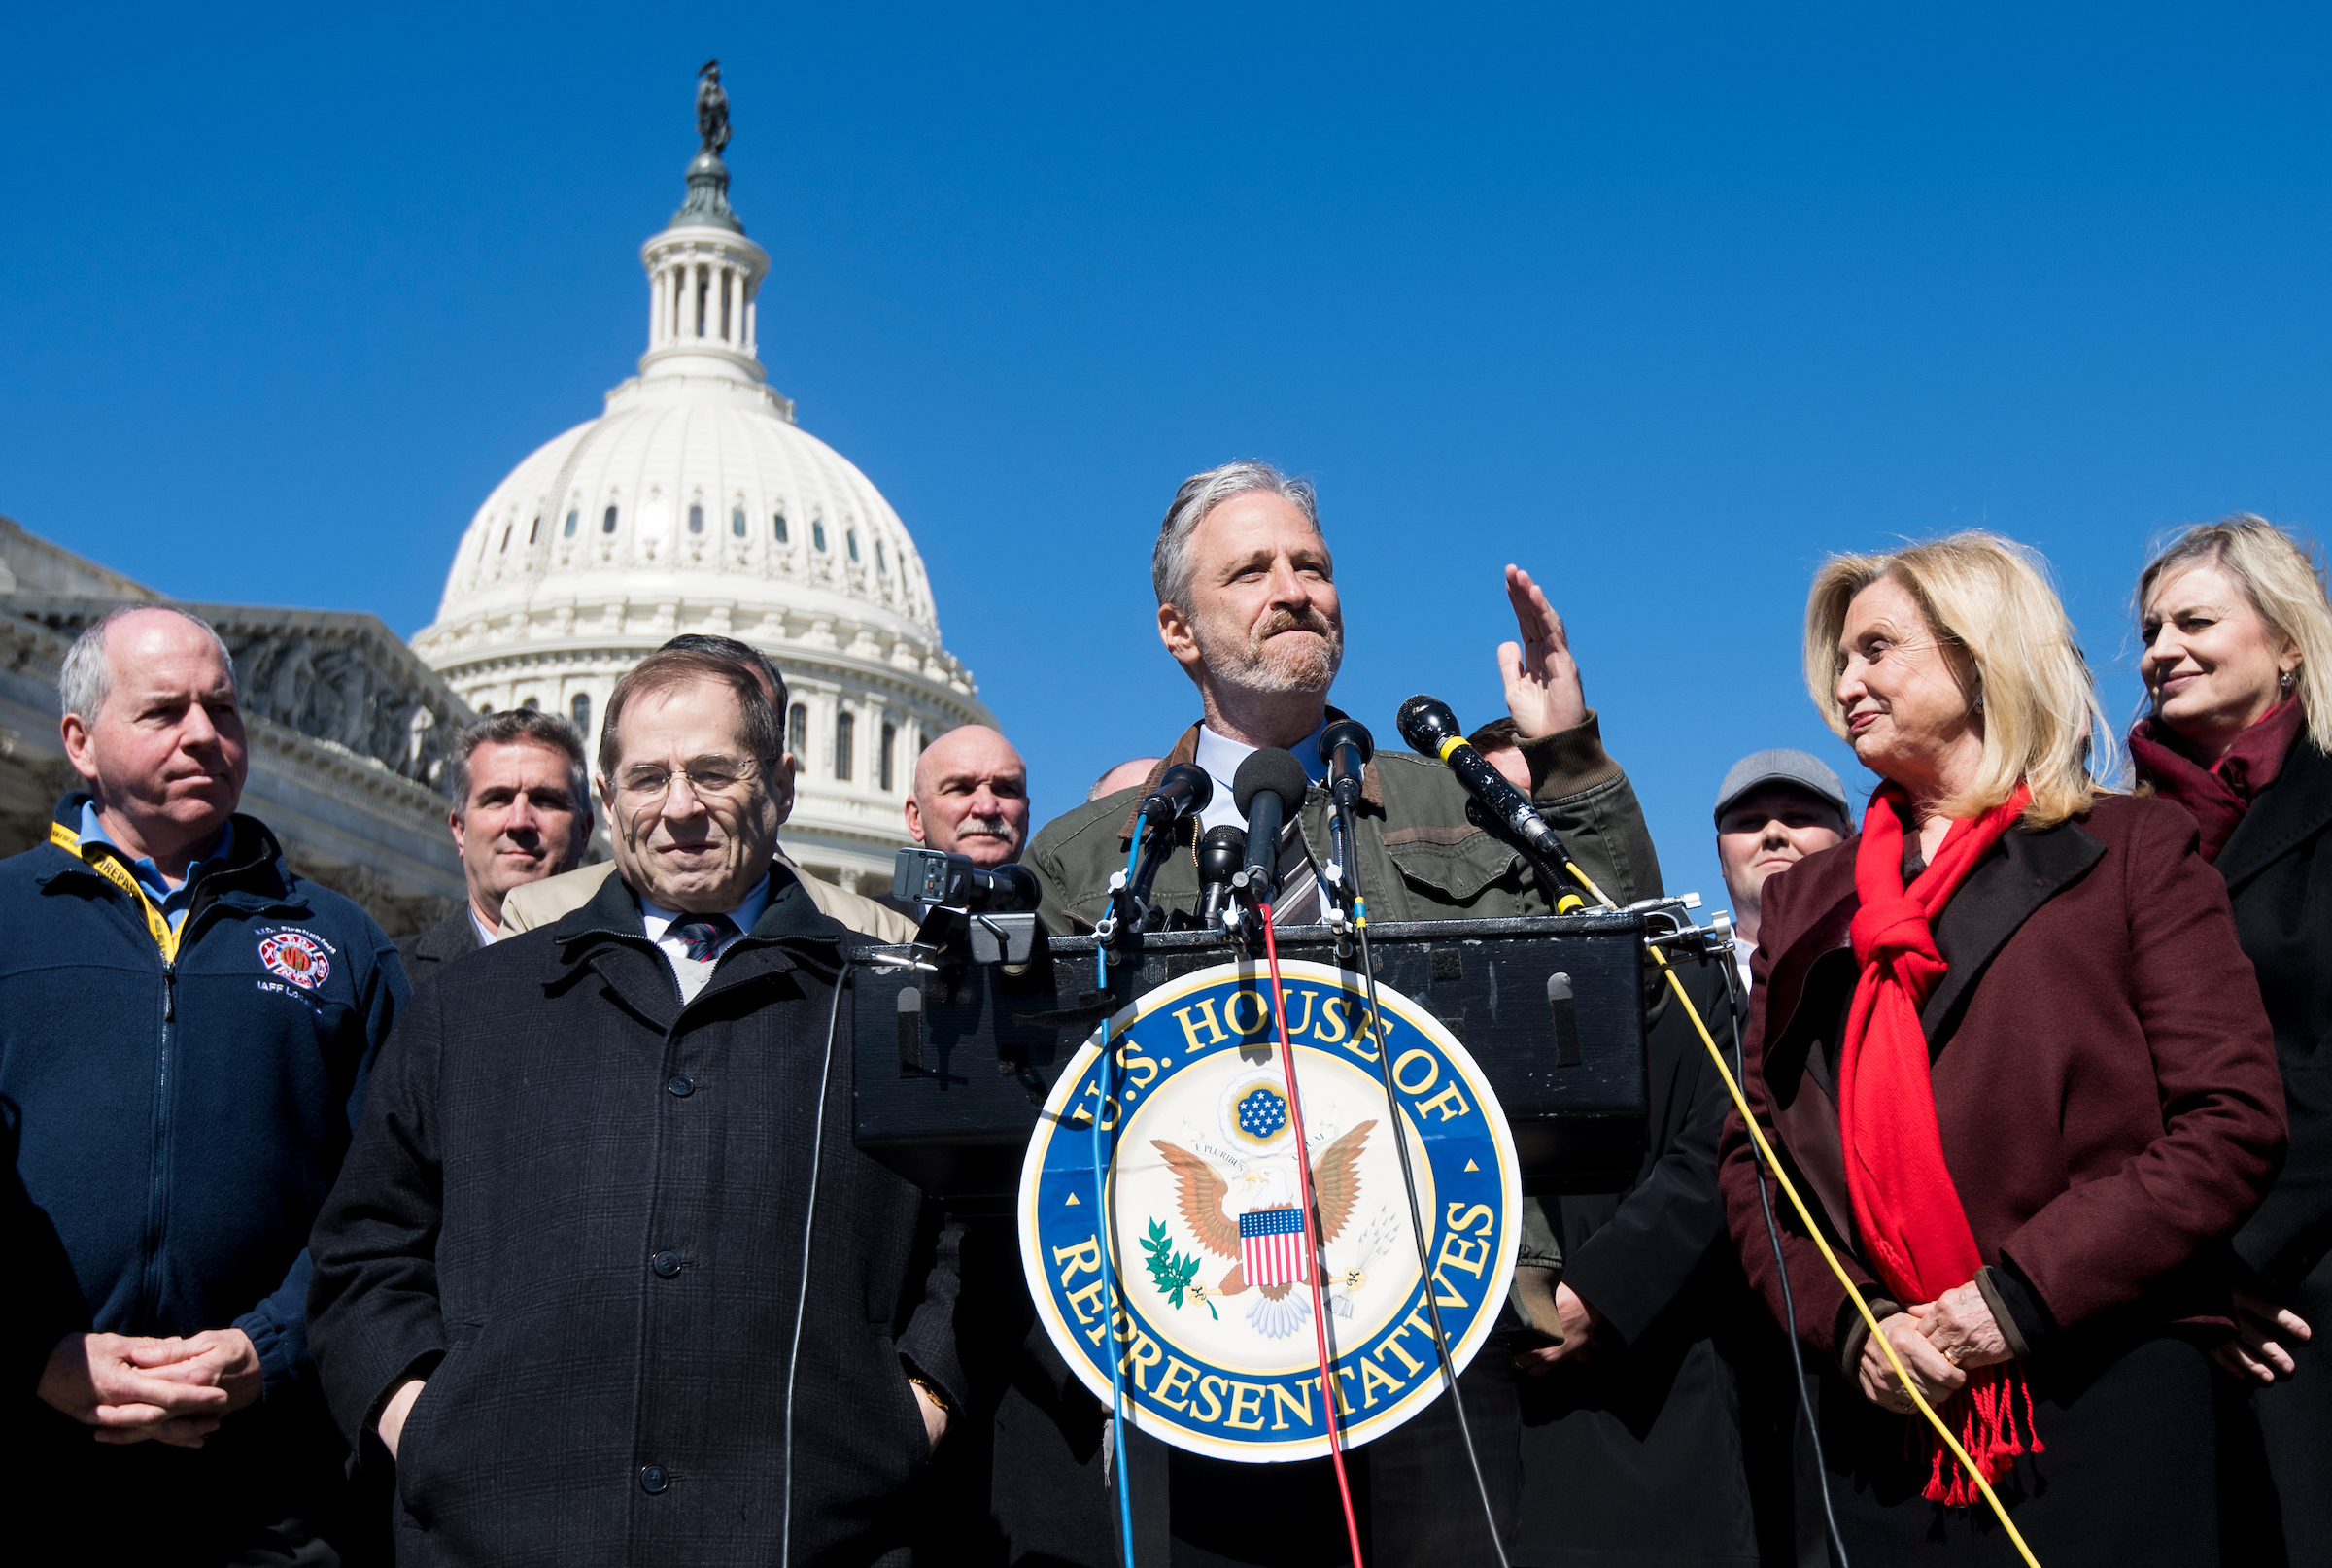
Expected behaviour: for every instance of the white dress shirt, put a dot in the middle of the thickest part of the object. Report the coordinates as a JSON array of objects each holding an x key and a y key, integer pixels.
[
  {"x": 1299, "y": 898},
  {"x": 691, "y": 973},
  {"x": 1221, "y": 756}
]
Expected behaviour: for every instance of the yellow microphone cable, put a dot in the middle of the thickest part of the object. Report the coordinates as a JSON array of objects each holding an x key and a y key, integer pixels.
[{"x": 1789, "y": 1190}]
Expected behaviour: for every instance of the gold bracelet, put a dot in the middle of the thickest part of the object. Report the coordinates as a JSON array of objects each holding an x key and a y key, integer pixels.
[{"x": 933, "y": 1392}]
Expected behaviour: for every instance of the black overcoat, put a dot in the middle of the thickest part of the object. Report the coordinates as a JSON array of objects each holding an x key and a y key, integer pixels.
[
  {"x": 578, "y": 1208},
  {"x": 1671, "y": 1440},
  {"x": 2277, "y": 868},
  {"x": 2279, "y": 875}
]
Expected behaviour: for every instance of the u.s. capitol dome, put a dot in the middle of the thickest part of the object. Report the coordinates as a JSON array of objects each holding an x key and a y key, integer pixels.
[{"x": 695, "y": 503}]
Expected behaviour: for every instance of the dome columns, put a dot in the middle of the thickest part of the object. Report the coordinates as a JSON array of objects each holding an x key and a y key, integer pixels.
[
  {"x": 793, "y": 550},
  {"x": 703, "y": 304}
]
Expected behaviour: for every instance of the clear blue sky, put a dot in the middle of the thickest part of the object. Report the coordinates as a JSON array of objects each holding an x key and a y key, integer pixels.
[{"x": 1664, "y": 303}]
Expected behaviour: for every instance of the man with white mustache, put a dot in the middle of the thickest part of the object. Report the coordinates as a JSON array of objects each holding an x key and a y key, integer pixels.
[{"x": 971, "y": 797}]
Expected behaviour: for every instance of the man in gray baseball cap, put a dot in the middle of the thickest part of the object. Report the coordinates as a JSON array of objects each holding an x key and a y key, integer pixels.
[{"x": 1773, "y": 809}]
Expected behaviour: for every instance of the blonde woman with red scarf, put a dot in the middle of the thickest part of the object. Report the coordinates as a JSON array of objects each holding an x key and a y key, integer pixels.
[
  {"x": 2238, "y": 670},
  {"x": 2007, "y": 1044}
]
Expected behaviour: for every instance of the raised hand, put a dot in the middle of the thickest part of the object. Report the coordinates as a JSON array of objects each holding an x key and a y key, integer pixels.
[{"x": 1543, "y": 694}]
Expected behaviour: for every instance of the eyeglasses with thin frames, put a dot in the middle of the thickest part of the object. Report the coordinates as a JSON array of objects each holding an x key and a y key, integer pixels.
[{"x": 707, "y": 777}]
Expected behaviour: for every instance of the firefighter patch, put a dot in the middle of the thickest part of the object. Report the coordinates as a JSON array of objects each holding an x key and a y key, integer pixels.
[
  {"x": 296, "y": 956},
  {"x": 1196, "y": 1273}
]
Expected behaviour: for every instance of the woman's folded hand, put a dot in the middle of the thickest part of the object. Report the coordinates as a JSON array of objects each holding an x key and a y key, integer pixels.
[
  {"x": 1960, "y": 1325},
  {"x": 1935, "y": 1378}
]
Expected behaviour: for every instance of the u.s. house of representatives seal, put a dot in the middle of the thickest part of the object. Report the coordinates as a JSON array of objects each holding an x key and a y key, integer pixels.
[{"x": 1198, "y": 1280}]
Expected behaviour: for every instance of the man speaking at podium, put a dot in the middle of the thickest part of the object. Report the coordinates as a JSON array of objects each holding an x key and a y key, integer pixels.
[{"x": 1248, "y": 606}]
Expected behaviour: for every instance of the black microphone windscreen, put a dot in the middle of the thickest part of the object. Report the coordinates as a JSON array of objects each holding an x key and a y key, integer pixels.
[
  {"x": 1275, "y": 770},
  {"x": 1184, "y": 789},
  {"x": 1428, "y": 723}
]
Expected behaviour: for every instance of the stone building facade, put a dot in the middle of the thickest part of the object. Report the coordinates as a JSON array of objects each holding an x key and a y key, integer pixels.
[{"x": 347, "y": 729}]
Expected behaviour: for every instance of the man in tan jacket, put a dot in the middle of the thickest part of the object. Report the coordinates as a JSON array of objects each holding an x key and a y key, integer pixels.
[{"x": 539, "y": 903}]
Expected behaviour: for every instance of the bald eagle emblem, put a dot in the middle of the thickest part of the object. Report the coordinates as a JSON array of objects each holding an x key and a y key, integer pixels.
[{"x": 1214, "y": 1206}]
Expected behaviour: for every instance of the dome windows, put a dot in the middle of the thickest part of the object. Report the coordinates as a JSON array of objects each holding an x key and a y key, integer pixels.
[
  {"x": 607, "y": 523},
  {"x": 696, "y": 518},
  {"x": 797, "y": 731},
  {"x": 817, "y": 533},
  {"x": 579, "y": 709},
  {"x": 505, "y": 545},
  {"x": 736, "y": 522},
  {"x": 850, "y": 539},
  {"x": 570, "y": 531},
  {"x": 777, "y": 526},
  {"x": 882, "y": 563},
  {"x": 535, "y": 528},
  {"x": 891, "y": 744},
  {"x": 845, "y": 736}
]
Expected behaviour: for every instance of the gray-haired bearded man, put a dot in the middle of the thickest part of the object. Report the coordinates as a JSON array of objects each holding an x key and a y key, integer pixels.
[{"x": 1247, "y": 606}]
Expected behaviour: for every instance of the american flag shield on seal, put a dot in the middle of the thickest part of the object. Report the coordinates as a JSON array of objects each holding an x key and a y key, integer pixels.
[{"x": 1271, "y": 1247}]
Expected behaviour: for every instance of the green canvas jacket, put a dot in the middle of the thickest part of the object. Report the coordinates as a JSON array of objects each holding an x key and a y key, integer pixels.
[{"x": 1419, "y": 858}]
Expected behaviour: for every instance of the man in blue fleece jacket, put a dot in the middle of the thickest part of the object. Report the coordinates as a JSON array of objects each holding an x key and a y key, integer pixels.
[{"x": 185, "y": 1028}]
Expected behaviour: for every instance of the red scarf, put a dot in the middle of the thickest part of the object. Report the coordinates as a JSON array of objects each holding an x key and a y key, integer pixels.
[
  {"x": 1914, "y": 1228},
  {"x": 2218, "y": 797}
]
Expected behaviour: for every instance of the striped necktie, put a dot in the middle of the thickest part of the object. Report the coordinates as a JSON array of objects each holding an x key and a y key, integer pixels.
[{"x": 704, "y": 935}]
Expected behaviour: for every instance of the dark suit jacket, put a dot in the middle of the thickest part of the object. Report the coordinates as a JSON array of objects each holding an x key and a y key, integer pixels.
[
  {"x": 1644, "y": 1450},
  {"x": 578, "y": 1208},
  {"x": 2103, "y": 1074},
  {"x": 2278, "y": 872},
  {"x": 427, "y": 952}
]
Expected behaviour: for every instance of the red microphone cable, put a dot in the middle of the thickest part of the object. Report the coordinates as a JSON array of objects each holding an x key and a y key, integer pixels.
[{"x": 1303, "y": 1187}]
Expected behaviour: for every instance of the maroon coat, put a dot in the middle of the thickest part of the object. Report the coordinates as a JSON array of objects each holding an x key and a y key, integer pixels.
[{"x": 2104, "y": 1078}]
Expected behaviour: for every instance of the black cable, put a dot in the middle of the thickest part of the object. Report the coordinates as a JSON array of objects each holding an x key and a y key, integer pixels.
[
  {"x": 810, "y": 1225},
  {"x": 1734, "y": 1008},
  {"x": 1417, "y": 1222}
]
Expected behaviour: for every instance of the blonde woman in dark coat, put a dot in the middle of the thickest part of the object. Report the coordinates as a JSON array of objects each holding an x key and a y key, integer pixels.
[
  {"x": 2006, "y": 1043},
  {"x": 2238, "y": 670}
]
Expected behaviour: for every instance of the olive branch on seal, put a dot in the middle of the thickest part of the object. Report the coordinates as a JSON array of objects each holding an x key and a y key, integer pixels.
[{"x": 1173, "y": 1275}]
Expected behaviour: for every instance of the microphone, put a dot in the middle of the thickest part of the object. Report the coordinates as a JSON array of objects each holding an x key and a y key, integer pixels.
[
  {"x": 1219, "y": 856},
  {"x": 1346, "y": 747},
  {"x": 932, "y": 876},
  {"x": 1269, "y": 789},
  {"x": 1184, "y": 791},
  {"x": 1431, "y": 728}
]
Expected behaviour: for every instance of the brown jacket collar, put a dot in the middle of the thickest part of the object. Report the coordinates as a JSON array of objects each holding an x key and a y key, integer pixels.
[{"x": 1186, "y": 750}]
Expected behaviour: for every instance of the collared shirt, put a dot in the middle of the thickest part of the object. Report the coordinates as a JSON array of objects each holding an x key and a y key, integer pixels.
[
  {"x": 691, "y": 973},
  {"x": 488, "y": 935},
  {"x": 1221, "y": 757},
  {"x": 174, "y": 902},
  {"x": 1742, "y": 953},
  {"x": 1299, "y": 900}
]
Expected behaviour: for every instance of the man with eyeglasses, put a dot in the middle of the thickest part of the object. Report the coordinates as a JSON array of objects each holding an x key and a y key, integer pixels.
[
  {"x": 539, "y": 903},
  {"x": 604, "y": 1272}
]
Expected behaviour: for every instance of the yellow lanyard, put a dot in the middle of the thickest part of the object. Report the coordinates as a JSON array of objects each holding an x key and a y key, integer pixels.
[{"x": 157, "y": 923}]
